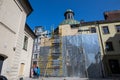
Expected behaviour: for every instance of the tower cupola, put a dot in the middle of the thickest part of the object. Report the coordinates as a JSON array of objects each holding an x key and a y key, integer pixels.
[
  {"x": 69, "y": 18},
  {"x": 69, "y": 14}
]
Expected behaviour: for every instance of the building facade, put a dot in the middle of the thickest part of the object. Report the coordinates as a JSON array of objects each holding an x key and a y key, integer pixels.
[
  {"x": 14, "y": 34},
  {"x": 108, "y": 35},
  {"x": 109, "y": 32},
  {"x": 42, "y": 37},
  {"x": 87, "y": 49}
]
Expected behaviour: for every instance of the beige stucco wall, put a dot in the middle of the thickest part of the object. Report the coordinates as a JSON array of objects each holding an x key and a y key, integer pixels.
[
  {"x": 11, "y": 14},
  {"x": 111, "y": 37},
  {"x": 66, "y": 30},
  {"x": 114, "y": 37},
  {"x": 45, "y": 41},
  {"x": 7, "y": 44},
  {"x": 12, "y": 23},
  {"x": 25, "y": 56}
]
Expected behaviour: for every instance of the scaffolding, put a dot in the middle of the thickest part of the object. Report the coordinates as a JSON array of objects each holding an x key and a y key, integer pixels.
[
  {"x": 54, "y": 63},
  {"x": 71, "y": 56}
]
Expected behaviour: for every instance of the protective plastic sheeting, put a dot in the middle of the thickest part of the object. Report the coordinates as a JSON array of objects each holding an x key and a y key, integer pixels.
[{"x": 81, "y": 56}]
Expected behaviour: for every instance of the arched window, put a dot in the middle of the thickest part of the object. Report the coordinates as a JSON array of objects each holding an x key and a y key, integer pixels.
[{"x": 69, "y": 16}]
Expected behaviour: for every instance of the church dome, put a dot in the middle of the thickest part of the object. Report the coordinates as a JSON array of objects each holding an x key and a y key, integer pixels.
[
  {"x": 69, "y": 18},
  {"x": 68, "y": 11}
]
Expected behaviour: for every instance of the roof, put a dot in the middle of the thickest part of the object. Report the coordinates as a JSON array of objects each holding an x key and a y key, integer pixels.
[
  {"x": 113, "y": 11},
  {"x": 26, "y": 6},
  {"x": 95, "y": 22},
  {"x": 112, "y": 15},
  {"x": 29, "y": 31},
  {"x": 68, "y": 11},
  {"x": 69, "y": 21}
]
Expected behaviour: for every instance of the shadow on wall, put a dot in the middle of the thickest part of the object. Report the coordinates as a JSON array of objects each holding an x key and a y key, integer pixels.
[
  {"x": 95, "y": 69},
  {"x": 74, "y": 59},
  {"x": 111, "y": 58}
]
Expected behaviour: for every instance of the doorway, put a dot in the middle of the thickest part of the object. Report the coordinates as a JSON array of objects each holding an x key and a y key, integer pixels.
[
  {"x": 114, "y": 66},
  {"x": 21, "y": 72},
  {"x": 1, "y": 62}
]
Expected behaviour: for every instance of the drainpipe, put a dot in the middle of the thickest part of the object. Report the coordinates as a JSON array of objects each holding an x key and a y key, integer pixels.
[{"x": 100, "y": 36}]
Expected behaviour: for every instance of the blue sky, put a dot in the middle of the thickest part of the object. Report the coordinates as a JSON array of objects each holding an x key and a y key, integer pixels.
[{"x": 49, "y": 13}]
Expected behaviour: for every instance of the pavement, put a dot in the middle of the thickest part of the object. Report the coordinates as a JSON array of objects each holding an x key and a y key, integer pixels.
[{"x": 68, "y": 78}]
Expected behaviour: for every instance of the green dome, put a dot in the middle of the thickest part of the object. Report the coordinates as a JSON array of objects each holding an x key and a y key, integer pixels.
[
  {"x": 69, "y": 10},
  {"x": 69, "y": 21}
]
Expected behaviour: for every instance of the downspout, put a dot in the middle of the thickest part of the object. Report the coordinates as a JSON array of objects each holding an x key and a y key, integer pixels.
[{"x": 100, "y": 36}]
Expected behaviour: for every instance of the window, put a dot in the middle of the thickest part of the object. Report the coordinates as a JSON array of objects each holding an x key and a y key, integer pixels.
[
  {"x": 109, "y": 46},
  {"x": 39, "y": 40},
  {"x": 105, "y": 30},
  {"x": 118, "y": 28},
  {"x": 38, "y": 48},
  {"x": 35, "y": 40},
  {"x": 93, "y": 30},
  {"x": 35, "y": 47},
  {"x": 35, "y": 56},
  {"x": 25, "y": 43},
  {"x": 69, "y": 16},
  {"x": 43, "y": 34}
]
